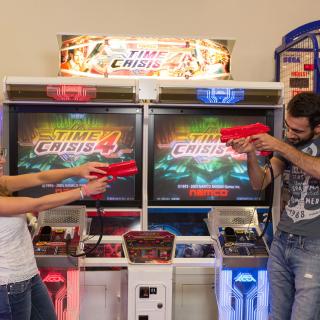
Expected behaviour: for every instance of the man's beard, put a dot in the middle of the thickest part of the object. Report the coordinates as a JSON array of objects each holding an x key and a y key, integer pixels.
[{"x": 301, "y": 142}]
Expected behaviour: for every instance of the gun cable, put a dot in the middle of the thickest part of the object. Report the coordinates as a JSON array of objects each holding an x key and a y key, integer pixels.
[
  {"x": 269, "y": 166},
  {"x": 258, "y": 195},
  {"x": 86, "y": 252}
]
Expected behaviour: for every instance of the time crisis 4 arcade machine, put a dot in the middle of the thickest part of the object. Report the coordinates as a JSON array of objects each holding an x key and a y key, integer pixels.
[{"x": 172, "y": 129}]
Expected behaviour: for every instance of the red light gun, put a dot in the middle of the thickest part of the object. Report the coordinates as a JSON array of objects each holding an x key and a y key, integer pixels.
[
  {"x": 238, "y": 132},
  {"x": 115, "y": 170}
]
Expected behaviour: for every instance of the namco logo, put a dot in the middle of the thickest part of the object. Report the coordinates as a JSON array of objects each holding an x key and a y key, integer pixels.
[
  {"x": 244, "y": 277},
  {"x": 208, "y": 193}
]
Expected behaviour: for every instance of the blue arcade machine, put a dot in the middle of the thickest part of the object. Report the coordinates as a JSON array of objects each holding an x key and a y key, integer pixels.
[
  {"x": 297, "y": 60},
  {"x": 242, "y": 288}
]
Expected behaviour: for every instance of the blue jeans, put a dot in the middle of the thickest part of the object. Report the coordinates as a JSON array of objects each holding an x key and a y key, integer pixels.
[
  {"x": 26, "y": 300},
  {"x": 294, "y": 274}
]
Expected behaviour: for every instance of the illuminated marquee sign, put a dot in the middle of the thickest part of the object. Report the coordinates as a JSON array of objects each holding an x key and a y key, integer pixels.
[{"x": 99, "y": 56}]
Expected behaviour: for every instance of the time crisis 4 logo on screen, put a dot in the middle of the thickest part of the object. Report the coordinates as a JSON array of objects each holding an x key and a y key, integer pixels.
[{"x": 76, "y": 142}]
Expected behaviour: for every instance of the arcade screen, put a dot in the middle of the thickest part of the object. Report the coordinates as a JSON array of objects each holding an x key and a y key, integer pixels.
[
  {"x": 115, "y": 223},
  {"x": 188, "y": 163},
  {"x": 54, "y": 140},
  {"x": 179, "y": 221},
  {"x": 194, "y": 250}
]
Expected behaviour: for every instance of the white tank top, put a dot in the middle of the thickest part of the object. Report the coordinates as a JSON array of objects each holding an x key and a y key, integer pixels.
[{"x": 17, "y": 261}]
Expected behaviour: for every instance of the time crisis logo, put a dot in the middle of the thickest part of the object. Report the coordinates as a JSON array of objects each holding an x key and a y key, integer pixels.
[
  {"x": 76, "y": 142},
  {"x": 199, "y": 145},
  {"x": 141, "y": 59},
  {"x": 150, "y": 59}
]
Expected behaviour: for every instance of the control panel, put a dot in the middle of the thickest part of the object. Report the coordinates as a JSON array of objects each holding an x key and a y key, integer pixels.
[
  {"x": 56, "y": 241},
  {"x": 241, "y": 242},
  {"x": 57, "y": 236},
  {"x": 238, "y": 243}
]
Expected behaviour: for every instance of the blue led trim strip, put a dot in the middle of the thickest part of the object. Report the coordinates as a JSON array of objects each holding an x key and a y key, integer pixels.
[{"x": 220, "y": 95}]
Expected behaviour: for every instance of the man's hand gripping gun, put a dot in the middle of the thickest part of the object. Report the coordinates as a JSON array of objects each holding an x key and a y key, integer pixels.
[
  {"x": 115, "y": 170},
  {"x": 238, "y": 132}
]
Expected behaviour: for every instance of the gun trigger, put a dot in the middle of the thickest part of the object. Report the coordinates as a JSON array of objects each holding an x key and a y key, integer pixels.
[{"x": 111, "y": 178}]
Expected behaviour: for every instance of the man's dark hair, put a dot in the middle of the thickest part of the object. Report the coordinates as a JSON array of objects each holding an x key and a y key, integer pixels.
[{"x": 305, "y": 104}]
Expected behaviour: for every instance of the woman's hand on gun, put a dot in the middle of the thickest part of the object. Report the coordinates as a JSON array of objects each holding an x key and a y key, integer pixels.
[
  {"x": 87, "y": 169},
  {"x": 96, "y": 186}
]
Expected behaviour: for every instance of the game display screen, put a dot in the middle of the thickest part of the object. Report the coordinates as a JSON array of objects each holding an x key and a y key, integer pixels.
[
  {"x": 190, "y": 165},
  {"x": 114, "y": 223},
  {"x": 194, "y": 250},
  {"x": 179, "y": 221},
  {"x": 66, "y": 140}
]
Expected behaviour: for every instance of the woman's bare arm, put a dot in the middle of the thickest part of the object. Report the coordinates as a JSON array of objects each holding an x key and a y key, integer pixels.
[
  {"x": 17, "y": 205},
  {"x": 24, "y": 181}
]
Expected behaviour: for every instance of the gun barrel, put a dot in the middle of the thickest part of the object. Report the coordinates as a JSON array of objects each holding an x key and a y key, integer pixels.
[
  {"x": 238, "y": 132},
  {"x": 115, "y": 167}
]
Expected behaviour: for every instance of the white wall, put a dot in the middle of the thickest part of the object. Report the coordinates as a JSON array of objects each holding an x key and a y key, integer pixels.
[{"x": 28, "y": 28}]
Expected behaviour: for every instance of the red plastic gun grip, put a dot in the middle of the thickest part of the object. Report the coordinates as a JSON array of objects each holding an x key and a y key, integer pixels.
[{"x": 115, "y": 170}]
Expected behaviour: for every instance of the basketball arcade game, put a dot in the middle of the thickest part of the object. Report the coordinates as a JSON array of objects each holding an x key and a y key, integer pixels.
[
  {"x": 171, "y": 128},
  {"x": 297, "y": 60}
]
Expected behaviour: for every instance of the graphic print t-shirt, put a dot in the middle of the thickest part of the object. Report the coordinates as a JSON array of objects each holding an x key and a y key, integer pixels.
[{"x": 301, "y": 215}]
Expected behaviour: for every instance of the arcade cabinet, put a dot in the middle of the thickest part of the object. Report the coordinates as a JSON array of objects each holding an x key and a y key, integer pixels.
[
  {"x": 297, "y": 60},
  {"x": 150, "y": 272},
  {"x": 242, "y": 289},
  {"x": 171, "y": 128}
]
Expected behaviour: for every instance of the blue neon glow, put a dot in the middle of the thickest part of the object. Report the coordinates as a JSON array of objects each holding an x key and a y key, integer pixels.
[
  {"x": 220, "y": 95},
  {"x": 242, "y": 294},
  {"x": 245, "y": 277}
]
